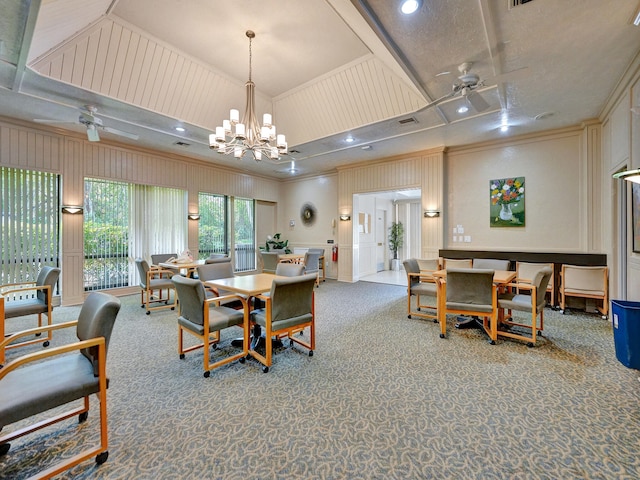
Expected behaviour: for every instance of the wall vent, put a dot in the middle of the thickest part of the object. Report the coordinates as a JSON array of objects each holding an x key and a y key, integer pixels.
[
  {"x": 517, "y": 3},
  {"x": 407, "y": 121},
  {"x": 182, "y": 144}
]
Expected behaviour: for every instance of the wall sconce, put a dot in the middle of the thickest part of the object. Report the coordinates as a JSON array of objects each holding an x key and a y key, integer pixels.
[
  {"x": 345, "y": 218},
  {"x": 72, "y": 209},
  {"x": 629, "y": 175},
  {"x": 194, "y": 216},
  {"x": 431, "y": 213}
]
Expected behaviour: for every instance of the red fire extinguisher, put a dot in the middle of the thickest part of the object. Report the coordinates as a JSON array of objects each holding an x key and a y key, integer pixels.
[{"x": 334, "y": 253}]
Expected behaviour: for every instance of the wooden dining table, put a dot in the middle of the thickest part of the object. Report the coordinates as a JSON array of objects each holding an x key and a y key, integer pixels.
[
  {"x": 249, "y": 286},
  {"x": 500, "y": 279},
  {"x": 189, "y": 268}
]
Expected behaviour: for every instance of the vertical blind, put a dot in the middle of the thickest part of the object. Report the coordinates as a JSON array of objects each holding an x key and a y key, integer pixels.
[{"x": 29, "y": 216}]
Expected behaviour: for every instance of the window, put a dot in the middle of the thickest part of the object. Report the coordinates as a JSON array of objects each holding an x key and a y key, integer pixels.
[
  {"x": 212, "y": 227},
  {"x": 106, "y": 234},
  {"x": 29, "y": 221},
  {"x": 244, "y": 234},
  {"x": 125, "y": 221}
]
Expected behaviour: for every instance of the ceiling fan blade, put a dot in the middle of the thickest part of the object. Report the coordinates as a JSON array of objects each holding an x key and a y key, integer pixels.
[
  {"x": 478, "y": 103},
  {"x": 45, "y": 120},
  {"x": 132, "y": 136},
  {"x": 438, "y": 100}
]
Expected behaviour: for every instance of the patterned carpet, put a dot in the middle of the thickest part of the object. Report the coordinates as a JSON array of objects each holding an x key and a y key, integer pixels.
[{"x": 383, "y": 397}]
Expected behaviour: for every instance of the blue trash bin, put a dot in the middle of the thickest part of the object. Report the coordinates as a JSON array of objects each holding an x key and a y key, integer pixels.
[{"x": 626, "y": 332}]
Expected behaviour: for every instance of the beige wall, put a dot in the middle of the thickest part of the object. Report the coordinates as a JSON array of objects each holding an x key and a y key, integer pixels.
[
  {"x": 321, "y": 192},
  {"x": 555, "y": 194}
]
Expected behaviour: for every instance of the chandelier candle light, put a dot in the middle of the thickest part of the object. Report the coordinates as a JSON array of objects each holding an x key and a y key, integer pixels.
[{"x": 237, "y": 138}]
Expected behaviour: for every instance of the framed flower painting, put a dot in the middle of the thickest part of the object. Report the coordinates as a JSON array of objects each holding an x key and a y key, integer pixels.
[{"x": 507, "y": 202}]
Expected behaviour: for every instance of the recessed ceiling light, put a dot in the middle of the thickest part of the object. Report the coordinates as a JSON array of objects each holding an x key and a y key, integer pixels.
[
  {"x": 504, "y": 128},
  {"x": 409, "y": 6},
  {"x": 462, "y": 109},
  {"x": 180, "y": 129},
  {"x": 349, "y": 139}
]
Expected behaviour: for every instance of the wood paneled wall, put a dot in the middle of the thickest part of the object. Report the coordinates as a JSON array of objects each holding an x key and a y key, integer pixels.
[{"x": 74, "y": 158}]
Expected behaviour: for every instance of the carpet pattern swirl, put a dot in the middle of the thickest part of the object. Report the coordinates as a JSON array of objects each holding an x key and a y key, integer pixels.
[{"x": 383, "y": 397}]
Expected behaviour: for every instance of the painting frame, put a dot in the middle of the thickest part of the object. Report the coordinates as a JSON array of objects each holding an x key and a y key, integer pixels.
[{"x": 507, "y": 202}]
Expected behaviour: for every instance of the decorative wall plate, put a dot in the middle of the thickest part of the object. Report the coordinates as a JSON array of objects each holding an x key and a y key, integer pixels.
[{"x": 308, "y": 214}]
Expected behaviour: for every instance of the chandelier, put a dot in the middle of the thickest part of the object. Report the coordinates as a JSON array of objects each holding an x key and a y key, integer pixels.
[{"x": 235, "y": 137}]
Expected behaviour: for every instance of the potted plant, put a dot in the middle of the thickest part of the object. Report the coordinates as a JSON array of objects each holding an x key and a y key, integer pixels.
[
  {"x": 275, "y": 243},
  {"x": 396, "y": 238}
]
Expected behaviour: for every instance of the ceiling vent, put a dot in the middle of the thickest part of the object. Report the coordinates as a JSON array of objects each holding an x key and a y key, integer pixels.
[
  {"x": 517, "y": 3},
  {"x": 407, "y": 121},
  {"x": 182, "y": 144}
]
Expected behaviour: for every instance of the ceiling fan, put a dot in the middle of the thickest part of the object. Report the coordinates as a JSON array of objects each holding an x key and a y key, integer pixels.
[
  {"x": 469, "y": 82},
  {"x": 93, "y": 124}
]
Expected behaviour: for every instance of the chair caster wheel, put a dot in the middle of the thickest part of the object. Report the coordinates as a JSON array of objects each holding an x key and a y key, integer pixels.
[
  {"x": 83, "y": 417},
  {"x": 38, "y": 334},
  {"x": 435, "y": 320},
  {"x": 562, "y": 312},
  {"x": 148, "y": 312},
  {"x": 311, "y": 353},
  {"x": 102, "y": 457},
  {"x": 173, "y": 308},
  {"x": 291, "y": 343},
  {"x": 605, "y": 317},
  {"x": 4, "y": 448},
  {"x": 530, "y": 345},
  {"x": 242, "y": 359},
  {"x": 265, "y": 369},
  {"x": 45, "y": 344},
  {"x": 214, "y": 346},
  {"x": 182, "y": 356},
  {"x": 492, "y": 342},
  {"x": 442, "y": 335},
  {"x": 141, "y": 306},
  {"x": 409, "y": 317},
  {"x": 207, "y": 374}
]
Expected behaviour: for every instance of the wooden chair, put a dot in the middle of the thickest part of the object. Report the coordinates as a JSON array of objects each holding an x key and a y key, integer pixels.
[
  {"x": 312, "y": 264},
  {"x": 158, "y": 258},
  {"x": 270, "y": 261},
  {"x": 204, "y": 318},
  {"x": 491, "y": 264},
  {"x": 526, "y": 271},
  {"x": 585, "y": 282},
  {"x": 154, "y": 280},
  {"x": 29, "y": 298},
  {"x": 420, "y": 282},
  {"x": 470, "y": 292},
  {"x": 533, "y": 303},
  {"x": 457, "y": 263},
  {"x": 41, "y": 381},
  {"x": 289, "y": 308}
]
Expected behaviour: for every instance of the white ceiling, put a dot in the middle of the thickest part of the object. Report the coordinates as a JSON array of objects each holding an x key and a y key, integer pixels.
[{"x": 324, "y": 68}]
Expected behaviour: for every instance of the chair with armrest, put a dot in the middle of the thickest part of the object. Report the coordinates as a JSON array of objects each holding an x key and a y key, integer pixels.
[
  {"x": 159, "y": 258},
  {"x": 216, "y": 271},
  {"x": 585, "y": 282},
  {"x": 290, "y": 269},
  {"x": 321, "y": 261},
  {"x": 38, "y": 382},
  {"x": 270, "y": 261},
  {"x": 470, "y": 292},
  {"x": 491, "y": 264},
  {"x": 457, "y": 263},
  {"x": 289, "y": 308},
  {"x": 29, "y": 298},
  {"x": 533, "y": 303},
  {"x": 205, "y": 318},
  {"x": 312, "y": 264},
  {"x": 420, "y": 282},
  {"x": 217, "y": 258},
  {"x": 526, "y": 271},
  {"x": 152, "y": 280}
]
